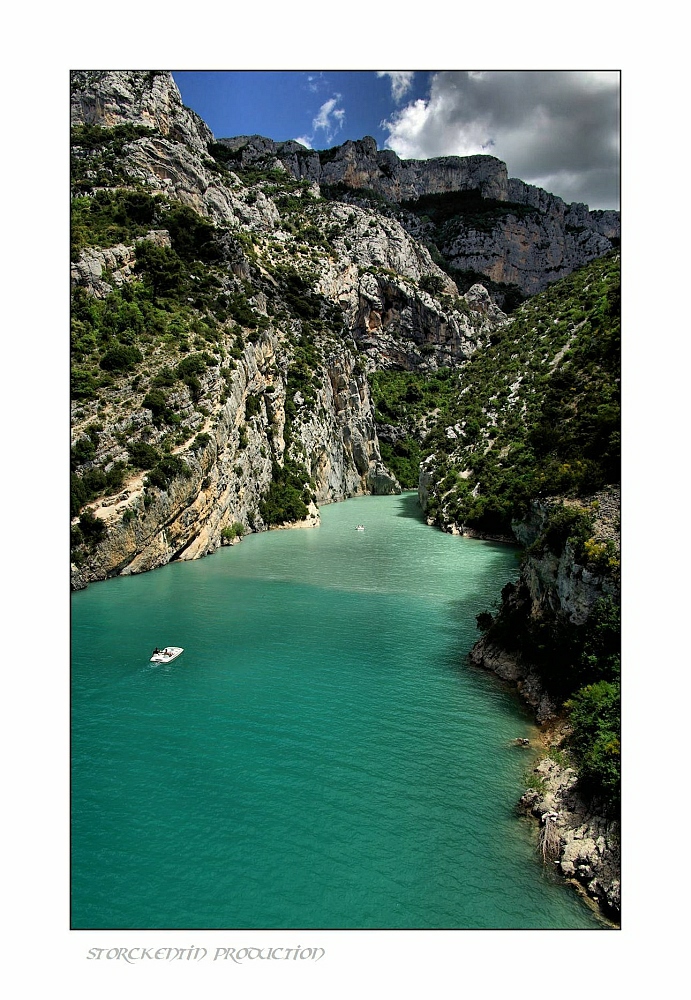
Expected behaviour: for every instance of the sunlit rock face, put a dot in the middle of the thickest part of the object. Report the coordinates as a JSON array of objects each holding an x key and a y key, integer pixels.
[{"x": 392, "y": 307}]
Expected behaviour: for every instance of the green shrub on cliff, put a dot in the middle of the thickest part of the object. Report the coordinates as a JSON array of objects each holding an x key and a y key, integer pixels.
[
  {"x": 165, "y": 471},
  {"x": 161, "y": 412},
  {"x": 595, "y": 713},
  {"x": 538, "y": 413},
  {"x": 143, "y": 455},
  {"x": 572, "y": 524},
  {"x": 232, "y": 531},
  {"x": 288, "y": 494},
  {"x": 403, "y": 459},
  {"x": 160, "y": 267},
  {"x": 93, "y": 483},
  {"x": 253, "y": 406},
  {"x": 83, "y": 385},
  {"x": 399, "y": 396},
  {"x": 97, "y": 136},
  {"x": 92, "y": 528},
  {"x": 192, "y": 237},
  {"x": 110, "y": 217},
  {"x": 121, "y": 358}
]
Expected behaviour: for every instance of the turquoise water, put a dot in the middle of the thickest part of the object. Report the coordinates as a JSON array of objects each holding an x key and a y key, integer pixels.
[{"x": 320, "y": 756}]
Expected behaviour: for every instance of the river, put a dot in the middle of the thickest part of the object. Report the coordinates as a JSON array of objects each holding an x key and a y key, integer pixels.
[{"x": 321, "y": 755}]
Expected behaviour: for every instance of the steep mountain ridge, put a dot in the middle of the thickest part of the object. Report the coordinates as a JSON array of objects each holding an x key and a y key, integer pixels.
[
  {"x": 512, "y": 232},
  {"x": 222, "y": 332},
  {"x": 258, "y": 328},
  {"x": 359, "y": 164}
]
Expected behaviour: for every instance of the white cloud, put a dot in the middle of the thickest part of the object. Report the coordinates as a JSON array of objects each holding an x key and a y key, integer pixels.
[
  {"x": 329, "y": 119},
  {"x": 401, "y": 82},
  {"x": 558, "y": 129},
  {"x": 304, "y": 140}
]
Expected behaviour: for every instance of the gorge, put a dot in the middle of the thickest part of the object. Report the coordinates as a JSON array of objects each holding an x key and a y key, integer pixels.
[{"x": 259, "y": 329}]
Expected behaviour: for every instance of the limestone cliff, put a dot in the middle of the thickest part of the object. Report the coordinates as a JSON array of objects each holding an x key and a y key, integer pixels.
[
  {"x": 531, "y": 251},
  {"x": 530, "y": 238},
  {"x": 170, "y": 155},
  {"x": 358, "y": 164},
  {"x": 194, "y": 398},
  {"x": 563, "y": 581},
  {"x": 228, "y": 475},
  {"x": 555, "y": 590}
]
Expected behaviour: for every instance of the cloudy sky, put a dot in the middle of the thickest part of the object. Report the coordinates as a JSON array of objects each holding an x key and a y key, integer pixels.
[{"x": 557, "y": 129}]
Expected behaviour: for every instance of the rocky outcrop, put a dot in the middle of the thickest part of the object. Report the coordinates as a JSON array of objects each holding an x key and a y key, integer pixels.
[
  {"x": 530, "y": 250},
  {"x": 111, "y": 98},
  {"x": 379, "y": 275},
  {"x": 227, "y": 478},
  {"x": 174, "y": 159},
  {"x": 359, "y": 164},
  {"x": 117, "y": 262},
  {"x": 558, "y": 583},
  {"x": 582, "y": 836},
  {"x": 579, "y": 839},
  {"x": 552, "y": 585},
  {"x": 516, "y": 670}
]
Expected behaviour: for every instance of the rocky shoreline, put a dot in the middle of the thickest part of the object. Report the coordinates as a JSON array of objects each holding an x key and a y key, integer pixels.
[{"x": 576, "y": 838}]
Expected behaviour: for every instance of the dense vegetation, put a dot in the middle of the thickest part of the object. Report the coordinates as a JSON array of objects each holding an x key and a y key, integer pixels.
[
  {"x": 580, "y": 666},
  {"x": 417, "y": 406},
  {"x": 288, "y": 494},
  {"x": 595, "y": 714},
  {"x": 124, "y": 215},
  {"x": 535, "y": 414}
]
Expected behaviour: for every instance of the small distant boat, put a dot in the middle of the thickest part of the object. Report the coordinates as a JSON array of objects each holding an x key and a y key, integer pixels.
[
  {"x": 166, "y": 655},
  {"x": 360, "y": 527}
]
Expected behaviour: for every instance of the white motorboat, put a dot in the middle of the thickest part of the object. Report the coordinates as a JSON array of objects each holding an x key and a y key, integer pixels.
[
  {"x": 360, "y": 527},
  {"x": 166, "y": 655}
]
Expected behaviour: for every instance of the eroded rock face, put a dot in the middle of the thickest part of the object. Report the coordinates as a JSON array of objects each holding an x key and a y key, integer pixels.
[
  {"x": 119, "y": 261},
  {"x": 530, "y": 250},
  {"x": 589, "y": 846},
  {"x": 335, "y": 439},
  {"x": 558, "y": 583},
  {"x": 550, "y": 586},
  {"x": 174, "y": 159},
  {"x": 359, "y": 165},
  {"x": 376, "y": 276},
  {"x": 513, "y": 668},
  {"x": 111, "y": 98}
]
